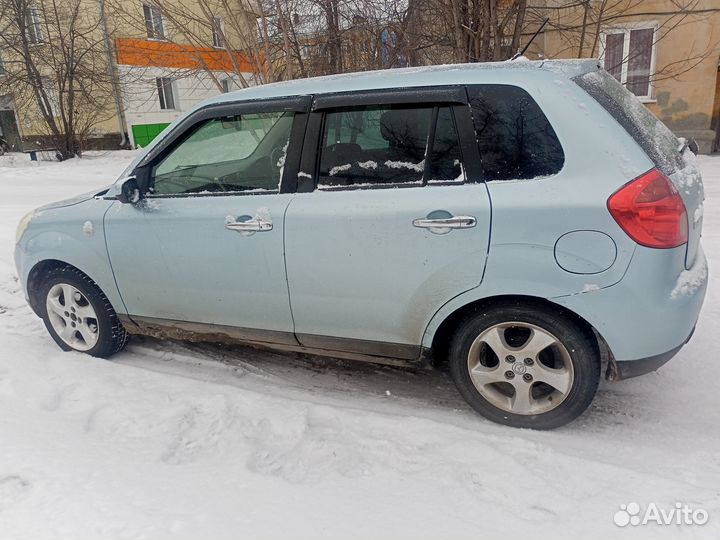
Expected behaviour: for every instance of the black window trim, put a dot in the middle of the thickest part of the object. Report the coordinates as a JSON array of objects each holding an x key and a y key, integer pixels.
[
  {"x": 300, "y": 105},
  {"x": 391, "y": 96},
  {"x": 452, "y": 96}
]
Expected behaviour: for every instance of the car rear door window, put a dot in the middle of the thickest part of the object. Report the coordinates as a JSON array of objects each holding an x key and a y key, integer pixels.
[
  {"x": 515, "y": 139},
  {"x": 446, "y": 162},
  {"x": 380, "y": 145}
]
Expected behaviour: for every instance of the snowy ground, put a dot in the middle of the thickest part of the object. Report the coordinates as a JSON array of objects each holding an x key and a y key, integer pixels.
[{"x": 179, "y": 441}]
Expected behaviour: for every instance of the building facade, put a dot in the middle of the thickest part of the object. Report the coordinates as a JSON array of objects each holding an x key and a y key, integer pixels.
[
  {"x": 159, "y": 70},
  {"x": 665, "y": 54}
]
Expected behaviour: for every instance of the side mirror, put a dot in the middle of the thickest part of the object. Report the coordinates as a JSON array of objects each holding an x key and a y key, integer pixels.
[
  {"x": 693, "y": 146},
  {"x": 129, "y": 191}
]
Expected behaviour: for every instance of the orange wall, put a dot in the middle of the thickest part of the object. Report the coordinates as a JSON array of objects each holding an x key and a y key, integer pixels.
[{"x": 147, "y": 53}]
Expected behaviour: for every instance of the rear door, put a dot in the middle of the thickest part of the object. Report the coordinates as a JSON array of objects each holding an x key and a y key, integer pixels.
[{"x": 390, "y": 221}]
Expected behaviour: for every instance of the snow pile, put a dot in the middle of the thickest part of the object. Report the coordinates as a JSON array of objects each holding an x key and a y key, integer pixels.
[
  {"x": 698, "y": 214},
  {"x": 690, "y": 280},
  {"x": 339, "y": 168},
  {"x": 370, "y": 164},
  {"x": 689, "y": 174},
  {"x": 418, "y": 167}
]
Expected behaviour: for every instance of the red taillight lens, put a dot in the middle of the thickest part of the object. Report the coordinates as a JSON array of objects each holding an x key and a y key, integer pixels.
[{"x": 651, "y": 211}]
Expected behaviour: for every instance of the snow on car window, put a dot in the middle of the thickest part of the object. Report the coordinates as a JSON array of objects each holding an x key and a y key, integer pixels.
[{"x": 367, "y": 146}]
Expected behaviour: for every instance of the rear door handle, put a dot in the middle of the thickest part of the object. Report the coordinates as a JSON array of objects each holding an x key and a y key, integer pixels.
[{"x": 444, "y": 225}]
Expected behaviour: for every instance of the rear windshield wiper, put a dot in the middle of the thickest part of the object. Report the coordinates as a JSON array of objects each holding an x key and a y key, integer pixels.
[{"x": 688, "y": 143}]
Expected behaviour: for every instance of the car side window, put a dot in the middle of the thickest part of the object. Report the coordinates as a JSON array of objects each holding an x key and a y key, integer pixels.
[
  {"x": 446, "y": 161},
  {"x": 515, "y": 139},
  {"x": 376, "y": 145},
  {"x": 224, "y": 155}
]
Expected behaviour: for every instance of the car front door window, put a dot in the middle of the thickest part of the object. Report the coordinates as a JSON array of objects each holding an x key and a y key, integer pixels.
[{"x": 242, "y": 153}]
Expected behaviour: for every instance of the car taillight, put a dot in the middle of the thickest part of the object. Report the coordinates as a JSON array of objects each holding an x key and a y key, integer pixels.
[{"x": 651, "y": 211}]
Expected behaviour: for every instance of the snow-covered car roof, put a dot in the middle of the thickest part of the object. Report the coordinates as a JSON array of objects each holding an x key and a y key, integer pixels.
[{"x": 448, "y": 74}]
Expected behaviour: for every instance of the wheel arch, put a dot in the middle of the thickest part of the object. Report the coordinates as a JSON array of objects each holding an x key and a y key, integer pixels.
[
  {"x": 442, "y": 335},
  {"x": 35, "y": 275}
]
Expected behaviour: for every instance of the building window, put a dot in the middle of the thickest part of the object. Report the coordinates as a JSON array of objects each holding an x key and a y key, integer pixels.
[
  {"x": 218, "y": 29},
  {"x": 226, "y": 85},
  {"x": 154, "y": 22},
  {"x": 165, "y": 93},
  {"x": 49, "y": 89},
  {"x": 33, "y": 26},
  {"x": 629, "y": 56}
]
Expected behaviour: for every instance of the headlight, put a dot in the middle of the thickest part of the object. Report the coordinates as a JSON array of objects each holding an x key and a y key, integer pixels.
[{"x": 23, "y": 225}]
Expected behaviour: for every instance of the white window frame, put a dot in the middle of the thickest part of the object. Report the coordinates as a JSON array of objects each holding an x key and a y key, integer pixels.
[
  {"x": 218, "y": 32},
  {"x": 162, "y": 97},
  {"x": 626, "y": 29},
  {"x": 33, "y": 26},
  {"x": 156, "y": 17},
  {"x": 48, "y": 85}
]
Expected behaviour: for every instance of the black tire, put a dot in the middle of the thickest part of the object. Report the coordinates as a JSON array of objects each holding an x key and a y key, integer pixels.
[
  {"x": 579, "y": 344},
  {"x": 111, "y": 335}
]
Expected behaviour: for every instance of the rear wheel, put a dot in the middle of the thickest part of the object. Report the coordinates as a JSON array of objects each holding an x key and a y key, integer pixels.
[
  {"x": 525, "y": 365},
  {"x": 78, "y": 315}
]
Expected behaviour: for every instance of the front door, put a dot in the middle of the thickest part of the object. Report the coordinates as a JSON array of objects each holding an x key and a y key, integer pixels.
[
  {"x": 206, "y": 245},
  {"x": 395, "y": 223},
  {"x": 9, "y": 130}
]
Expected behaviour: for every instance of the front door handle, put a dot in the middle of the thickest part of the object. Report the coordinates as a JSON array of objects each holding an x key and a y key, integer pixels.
[
  {"x": 445, "y": 224},
  {"x": 251, "y": 225}
]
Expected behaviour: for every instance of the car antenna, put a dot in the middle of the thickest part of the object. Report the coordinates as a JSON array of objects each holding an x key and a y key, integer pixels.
[{"x": 525, "y": 48}]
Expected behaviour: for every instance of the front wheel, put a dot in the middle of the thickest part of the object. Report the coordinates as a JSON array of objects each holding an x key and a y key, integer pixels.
[
  {"x": 525, "y": 365},
  {"x": 78, "y": 315}
]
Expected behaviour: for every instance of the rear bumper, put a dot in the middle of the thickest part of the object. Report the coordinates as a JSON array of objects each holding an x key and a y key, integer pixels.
[
  {"x": 650, "y": 314},
  {"x": 627, "y": 369}
]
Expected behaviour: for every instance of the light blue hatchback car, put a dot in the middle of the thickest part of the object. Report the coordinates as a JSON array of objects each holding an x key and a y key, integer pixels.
[{"x": 520, "y": 221}]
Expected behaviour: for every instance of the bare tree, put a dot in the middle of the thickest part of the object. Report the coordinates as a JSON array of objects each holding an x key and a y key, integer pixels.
[
  {"x": 247, "y": 35},
  {"x": 56, "y": 65},
  {"x": 468, "y": 30}
]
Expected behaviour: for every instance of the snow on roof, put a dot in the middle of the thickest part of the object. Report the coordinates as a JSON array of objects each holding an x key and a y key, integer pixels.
[{"x": 447, "y": 74}]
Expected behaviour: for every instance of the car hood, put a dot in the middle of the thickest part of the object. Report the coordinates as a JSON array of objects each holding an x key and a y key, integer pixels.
[{"x": 77, "y": 199}]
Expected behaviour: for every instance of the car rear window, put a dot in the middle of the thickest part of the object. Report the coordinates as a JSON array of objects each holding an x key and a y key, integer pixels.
[
  {"x": 654, "y": 137},
  {"x": 515, "y": 139}
]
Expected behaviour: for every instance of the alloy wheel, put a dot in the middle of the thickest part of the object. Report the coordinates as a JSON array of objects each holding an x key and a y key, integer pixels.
[
  {"x": 72, "y": 316},
  {"x": 520, "y": 368}
]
